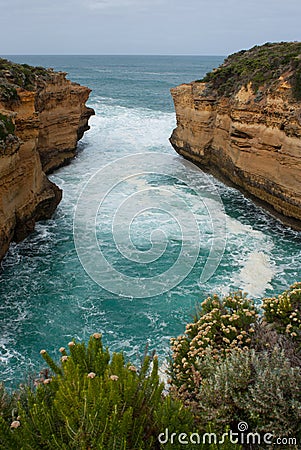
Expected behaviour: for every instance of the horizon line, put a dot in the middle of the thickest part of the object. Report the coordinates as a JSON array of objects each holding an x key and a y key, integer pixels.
[{"x": 109, "y": 54}]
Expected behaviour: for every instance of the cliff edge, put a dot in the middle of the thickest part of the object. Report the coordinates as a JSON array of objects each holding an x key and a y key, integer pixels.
[
  {"x": 42, "y": 116},
  {"x": 242, "y": 122}
]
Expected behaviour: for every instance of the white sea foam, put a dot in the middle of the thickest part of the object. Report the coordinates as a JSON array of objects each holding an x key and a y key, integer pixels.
[
  {"x": 256, "y": 274},
  {"x": 250, "y": 253},
  {"x": 236, "y": 227},
  {"x": 117, "y": 130},
  {"x": 137, "y": 129},
  {"x": 130, "y": 128}
]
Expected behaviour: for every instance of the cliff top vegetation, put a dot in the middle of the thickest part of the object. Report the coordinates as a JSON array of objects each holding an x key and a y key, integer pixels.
[
  {"x": 231, "y": 367},
  {"x": 261, "y": 65},
  {"x": 14, "y": 75}
]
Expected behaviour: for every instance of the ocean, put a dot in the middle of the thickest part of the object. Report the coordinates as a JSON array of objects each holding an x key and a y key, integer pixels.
[{"x": 161, "y": 235}]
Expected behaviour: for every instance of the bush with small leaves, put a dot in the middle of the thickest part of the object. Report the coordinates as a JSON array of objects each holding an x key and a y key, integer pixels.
[
  {"x": 284, "y": 312},
  {"x": 261, "y": 389},
  {"x": 265, "y": 338},
  {"x": 13, "y": 76},
  {"x": 6, "y": 127},
  {"x": 220, "y": 326},
  {"x": 260, "y": 67}
]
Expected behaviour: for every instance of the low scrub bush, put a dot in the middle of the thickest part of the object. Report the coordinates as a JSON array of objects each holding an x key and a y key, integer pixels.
[
  {"x": 6, "y": 127},
  {"x": 233, "y": 364},
  {"x": 261, "y": 66},
  {"x": 261, "y": 389},
  {"x": 91, "y": 400},
  {"x": 284, "y": 312},
  {"x": 220, "y": 326}
]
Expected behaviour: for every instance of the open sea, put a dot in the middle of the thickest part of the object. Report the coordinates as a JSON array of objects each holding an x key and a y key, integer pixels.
[{"x": 154, "y": 223}]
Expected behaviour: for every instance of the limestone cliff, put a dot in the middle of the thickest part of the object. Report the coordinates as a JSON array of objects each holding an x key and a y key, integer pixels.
[
  {"x": 63, "y": 120},
  {"x": 42, "y": 116},
  {"x": 243, "y": 122}
]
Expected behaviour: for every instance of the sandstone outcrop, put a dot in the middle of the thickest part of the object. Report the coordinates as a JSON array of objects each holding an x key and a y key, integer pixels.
[
  {"x": 42, "y": 116},
  {"x": 63, "y": 120},
  {"x": 244, "y": 125}
]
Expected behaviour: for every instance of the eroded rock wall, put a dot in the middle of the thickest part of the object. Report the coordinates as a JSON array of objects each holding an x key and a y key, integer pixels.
[
  {"x": 48, "y": 123},
  {"x": 63, "y": 120},
  {"x": 252, "y": 140}
]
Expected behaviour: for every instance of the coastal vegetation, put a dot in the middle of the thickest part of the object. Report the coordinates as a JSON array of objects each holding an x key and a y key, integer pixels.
[
  {"x": 93, "y": 400},
  {"x": 7, "y": 127},
  {"x": 13, "y": 75},
  {"x": 234, "y": 364},
  {"x": 261, "y": 65}
]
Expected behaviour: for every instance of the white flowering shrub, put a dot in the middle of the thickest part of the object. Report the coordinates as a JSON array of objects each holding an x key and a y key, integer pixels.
[
  {"x": 284, "y": 312},
  {"x": 220, "y": 326},
  {"x": 234, "y": 364}
]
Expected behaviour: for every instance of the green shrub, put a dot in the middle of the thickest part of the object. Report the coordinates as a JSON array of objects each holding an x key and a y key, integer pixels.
[
  {"x": 8, "y": 91},
  {"x": 260, "y": 65},
  {"x": 14, "y": 75},
  {"x": 94, "y": 401},
  {"x": 232, "y": 365},
  {"x": 220, "y": 326},
  {"x": 284, "y": 312},
  {"x": 6, "y": 127},
  {"x": 261, "y": 389},
  {"x": 8, "y": 403}
]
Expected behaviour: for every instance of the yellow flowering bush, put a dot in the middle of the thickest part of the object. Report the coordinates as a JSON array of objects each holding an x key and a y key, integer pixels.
[
  {"x": 284, "y": 312},
  {"x": 220, "y": 326}
]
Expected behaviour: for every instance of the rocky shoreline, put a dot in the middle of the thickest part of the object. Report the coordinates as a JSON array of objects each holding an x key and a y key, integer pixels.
[
  {"x": 246, "y": 134},
  {"x": 42, "y": 116}
]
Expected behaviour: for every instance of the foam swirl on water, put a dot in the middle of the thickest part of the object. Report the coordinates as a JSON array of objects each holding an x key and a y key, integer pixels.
[{"x": 147, "y": 200}]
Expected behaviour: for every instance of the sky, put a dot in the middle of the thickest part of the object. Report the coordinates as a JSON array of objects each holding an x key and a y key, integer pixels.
[{"x": 164, "y": 27}]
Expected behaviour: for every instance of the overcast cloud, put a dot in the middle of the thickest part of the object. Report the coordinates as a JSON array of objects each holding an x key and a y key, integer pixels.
[{"x": 144, "y": 26}]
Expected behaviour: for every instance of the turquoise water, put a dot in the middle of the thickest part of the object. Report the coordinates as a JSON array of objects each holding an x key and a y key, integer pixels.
[{"x": 47, "y": 298}]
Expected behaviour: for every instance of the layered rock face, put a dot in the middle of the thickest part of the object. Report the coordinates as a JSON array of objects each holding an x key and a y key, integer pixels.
[
  {"x": 63, "y": 120},
  {"x": 247, "y": 134},
  {"x": 39, "y": 130}
]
